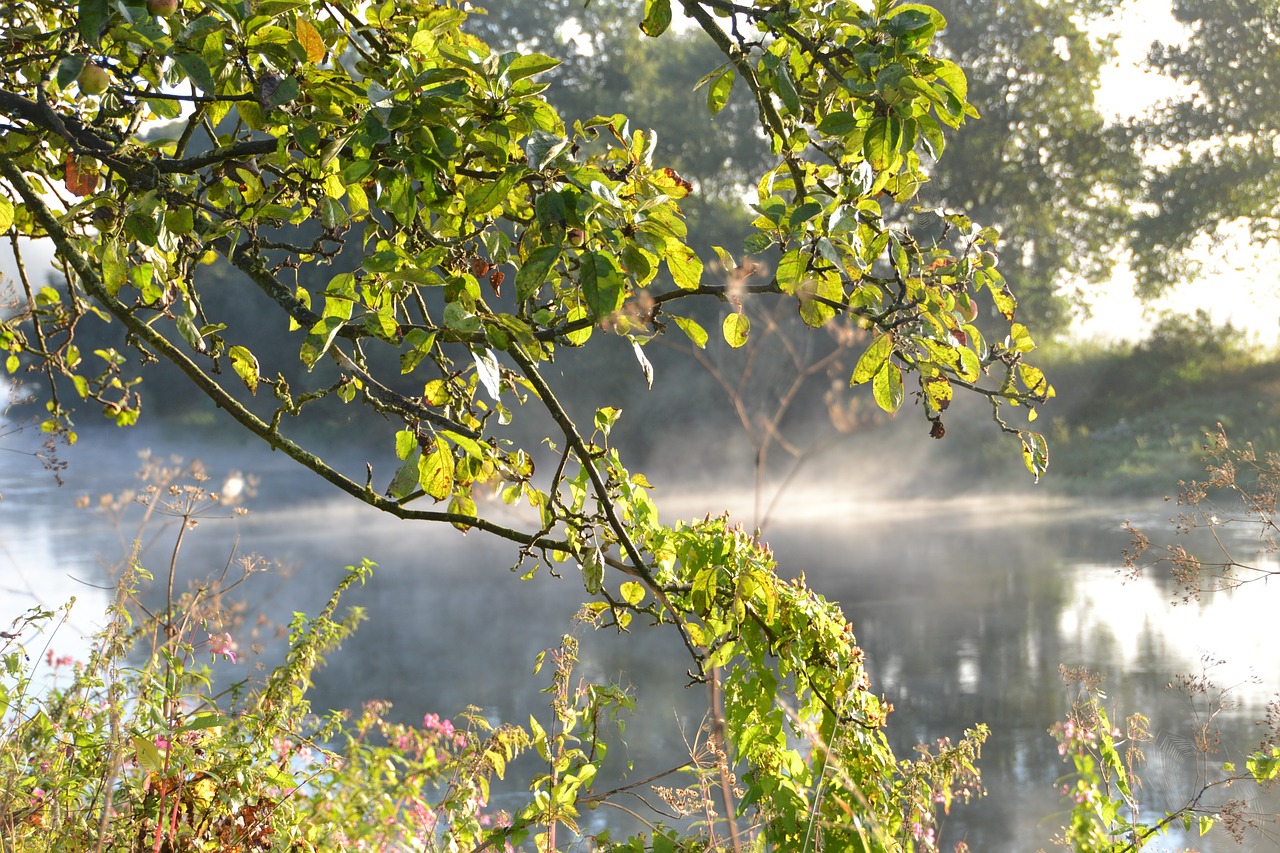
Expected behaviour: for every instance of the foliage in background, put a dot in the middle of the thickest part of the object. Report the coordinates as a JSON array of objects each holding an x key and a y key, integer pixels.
[
  {"x": 1044, "y": 164},
  {"x": 1216, "y": 140}
]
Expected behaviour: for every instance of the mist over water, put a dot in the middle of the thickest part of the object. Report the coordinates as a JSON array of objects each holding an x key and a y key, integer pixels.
[{"x": 965, "y": 605}]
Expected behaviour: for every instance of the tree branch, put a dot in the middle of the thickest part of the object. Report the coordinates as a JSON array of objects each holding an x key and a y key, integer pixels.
[{"x": 215, "y": 392}]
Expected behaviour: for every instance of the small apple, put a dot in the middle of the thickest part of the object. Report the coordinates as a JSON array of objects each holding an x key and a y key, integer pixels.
[
  {"x": 577, "y": 237},
  {"x": 968, "y": 307},
  {"x": 93, "y": 79},
  {"x": 162, "y": 8},
  {"x": 989, "y": 260}
]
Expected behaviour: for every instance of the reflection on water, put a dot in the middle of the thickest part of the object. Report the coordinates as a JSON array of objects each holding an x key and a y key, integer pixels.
[{"x": 965, "y": 610}]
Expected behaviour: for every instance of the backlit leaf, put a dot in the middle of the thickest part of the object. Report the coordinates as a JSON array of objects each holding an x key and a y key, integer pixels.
[
  {"x": 529, "y": 64},
  {"x": 602, "y": 284},
  {"x": 736, "y": 328},
  {"x": 872, "y": 360},
  {"x": 791, "y": 270},
  {"x": 881, "y": 144},
  {"x": 815, "y": 298},
  {"x": 462, "y": 504},
  {"x": 888, "y": 389},
  {"x": 718, "y": 92},
  {"x": 692, "y": 330},
  {"x": 435, "y": 470},
  {"x": 685, "y": 267},
  {"x": 148, "y": 755},
  {"x": 319, "y": 339},
  {"x": 245, "y": 365},
  {"x": 1035, "y": 453},
  {"x": 309, "y": 38},
  {"x": 632, "y": 593},
  {"x": 657, "y": 17}
]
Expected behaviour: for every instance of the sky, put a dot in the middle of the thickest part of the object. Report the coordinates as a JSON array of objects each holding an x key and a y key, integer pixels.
[{"x": 1238, "y": 285}]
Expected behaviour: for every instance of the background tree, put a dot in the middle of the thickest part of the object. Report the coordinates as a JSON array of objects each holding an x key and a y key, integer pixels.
[
  {"x": 1043, "y": 165},
  {"x": 1215, "y": 144}
]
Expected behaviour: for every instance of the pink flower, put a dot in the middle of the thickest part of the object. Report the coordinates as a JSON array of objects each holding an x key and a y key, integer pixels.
[
  {"x": 38, "y": 793},
  {"x": 222, "y": 644}
]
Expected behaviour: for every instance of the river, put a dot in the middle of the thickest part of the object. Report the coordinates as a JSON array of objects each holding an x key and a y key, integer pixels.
[{"x": 966, "y": 608}]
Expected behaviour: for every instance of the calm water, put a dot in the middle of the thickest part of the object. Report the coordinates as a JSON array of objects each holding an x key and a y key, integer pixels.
[{"x": 966, "y": 609}]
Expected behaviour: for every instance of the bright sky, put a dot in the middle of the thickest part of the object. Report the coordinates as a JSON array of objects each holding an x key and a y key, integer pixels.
[{"x": 1238, "y": 283}]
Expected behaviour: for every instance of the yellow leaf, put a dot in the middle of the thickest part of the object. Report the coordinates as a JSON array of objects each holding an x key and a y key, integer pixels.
[{"x": 310, "y": 40}]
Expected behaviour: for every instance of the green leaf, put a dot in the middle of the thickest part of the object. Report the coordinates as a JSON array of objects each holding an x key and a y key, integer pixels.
[
  {"x": 141, "y": 227},
  {"x": 657, "y": 17},
  {"x": 838, "y": 123},
  {"x": 543, "y": 147},
  {"x": 602, "y": 284},
  {"x": 406, "y": 441},
  {"x": 826, "y": 287},
  {"x": 792, "y": 268},
  {"x": 692, "y": 330},
  {"x": 93, "y": 15},
  {"x": 736, "y": 328},
  {"x": 1035, "y": 453},
  {"x": 284, "y": 93},
  {"x": 115, "y": 267},
  {"x": 934, "y": 139},
  {"x": 969, "y": 367},
  {"x": 180, "y": 220},
  {"x": 756, "y": 243},
  {"x": 435, "y": 471},
  {"x": 531, "y": 276},
  {"x": 887, "y": 388},
  {"x": 530, "y": 64},
  {"x": 1262, "y": 767},
  {"x": 405, "y": 481},
  {"x": 319, "y": 339},
  {"x": 685, "y": 267},
  {"x": 197, "y": 70},
  {"x": 462, "y": 504},
  {"x": 486, "y": 196},
  {"x": 952, "y": 76},
  {"x": 881, "y": 144},
  {"x": 332, "y": 214},
  {"x": 580, "y": 336},
  {"x": 606, "y": 417},
  {"x": 632, "y": 593},
  {"x": 593, "y": 572},
  {"x": 639, "y": 264},
  {"x": 68, "y": 70},
  {"x": 804, "y": 213},
  {"x": 245, "y": 365},
  {"x": 871, "y": 362},
  {"x": 786, "y": 90},
  {"x": 718, "y": 92},
  {"x": 417, "y": 346},
  {"x": 148, "y": 755}
]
